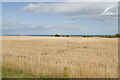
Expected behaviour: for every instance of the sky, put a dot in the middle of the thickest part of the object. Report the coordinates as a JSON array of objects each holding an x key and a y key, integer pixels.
[{"x": 64, "y": 18}]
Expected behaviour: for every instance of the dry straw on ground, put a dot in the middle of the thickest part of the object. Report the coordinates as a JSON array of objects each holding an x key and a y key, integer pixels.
[{"x": 83, "y": 57}]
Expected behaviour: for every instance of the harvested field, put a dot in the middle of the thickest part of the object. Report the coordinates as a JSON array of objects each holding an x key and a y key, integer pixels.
[{"x": 48, "y": 56}]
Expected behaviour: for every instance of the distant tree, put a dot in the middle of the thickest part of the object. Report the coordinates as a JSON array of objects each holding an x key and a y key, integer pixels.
[
  {"x": 88, "y": 36},
  {"x": 109, "y": 36},
  {"x": 117, "y": 35},
  {"x": 91, "y": 36},
  {"x": 67, "y": 36},
  {"x": 57, "y": 35},
  {"x": 63, "y": 36},
  {"x": 106, "y": 36}
]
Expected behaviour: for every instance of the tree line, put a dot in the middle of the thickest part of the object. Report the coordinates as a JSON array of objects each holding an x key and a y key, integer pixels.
[{"x": 106, "y": 36}]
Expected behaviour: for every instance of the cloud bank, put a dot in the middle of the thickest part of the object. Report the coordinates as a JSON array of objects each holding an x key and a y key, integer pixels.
[{"x": 97, "y": 11}]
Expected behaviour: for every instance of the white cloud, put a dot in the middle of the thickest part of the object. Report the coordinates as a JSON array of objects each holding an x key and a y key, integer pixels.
[
  {"x": 106, "y": 11},
  {"x": 65, "y": 25},
  {"x": 33, "y": 26},
  {"x": 10, "y": 24},
  {"x": 77, "y": 10}
]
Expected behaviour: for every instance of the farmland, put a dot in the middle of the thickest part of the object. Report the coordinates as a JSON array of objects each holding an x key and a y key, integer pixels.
[{"x": 49, "y": 56}]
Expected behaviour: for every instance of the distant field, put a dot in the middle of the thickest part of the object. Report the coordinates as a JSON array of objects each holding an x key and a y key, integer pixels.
[{"x": 74, "y": 57}]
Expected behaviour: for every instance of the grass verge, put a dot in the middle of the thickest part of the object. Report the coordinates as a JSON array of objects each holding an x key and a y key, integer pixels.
[{"x": 10, "y": 73}]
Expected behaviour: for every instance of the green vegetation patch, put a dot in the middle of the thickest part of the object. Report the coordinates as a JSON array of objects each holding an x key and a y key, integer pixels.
[
  {"x": 10, "y": 73},
  {"x": 16, "y": 73},
  {"x": 56, "y": 35}
]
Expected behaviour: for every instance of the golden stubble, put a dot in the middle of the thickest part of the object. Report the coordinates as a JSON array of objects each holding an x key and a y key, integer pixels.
[{"x": 83, "y": 57}]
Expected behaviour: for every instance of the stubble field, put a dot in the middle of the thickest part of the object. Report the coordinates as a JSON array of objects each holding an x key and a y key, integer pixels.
[{"x": 73, "y": 57}]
